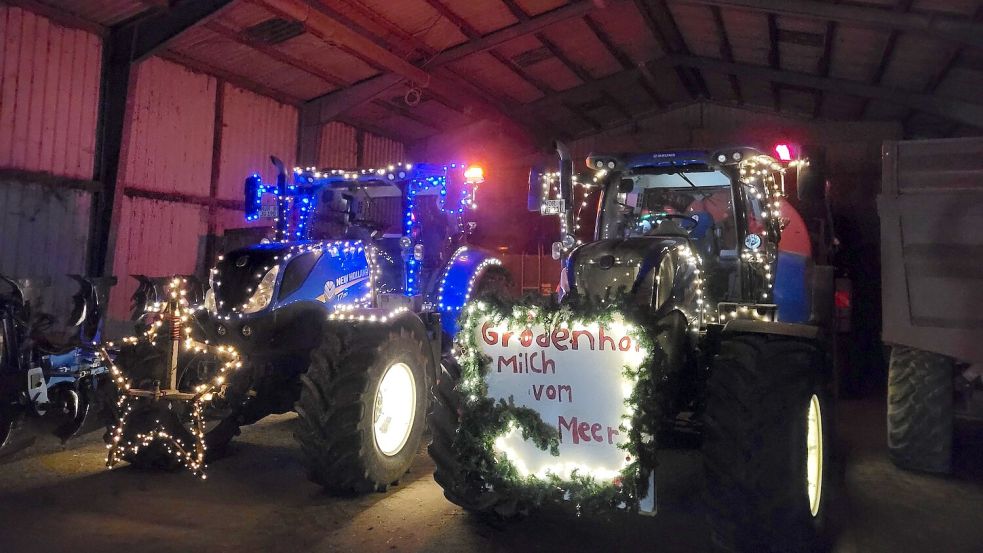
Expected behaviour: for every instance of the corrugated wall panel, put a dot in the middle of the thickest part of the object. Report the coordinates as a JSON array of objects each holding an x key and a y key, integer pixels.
[
  {"x": 254, "y": 128},
  {"x": 44, "y": 231},
  {"x": 168, "y": 146},
  {"x": 155, "y": 238},
  {"x": 49, "y": 90},
  {"x": 377, "y": 151},
  {"x": 338, "y": 146}
]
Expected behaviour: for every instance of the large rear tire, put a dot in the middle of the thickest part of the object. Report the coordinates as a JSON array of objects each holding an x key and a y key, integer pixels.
[
  {"x": 459, "y": 488},
  {"x": 363, "y": 403},
  {"x": 919, "y": 410},
  {"x": 766, "y": 448}
]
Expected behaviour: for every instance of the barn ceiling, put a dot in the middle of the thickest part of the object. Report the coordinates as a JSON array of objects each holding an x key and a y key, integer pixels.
[{"x": 565, "y": 68}]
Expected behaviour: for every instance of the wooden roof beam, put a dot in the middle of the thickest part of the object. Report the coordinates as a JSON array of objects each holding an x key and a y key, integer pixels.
[
  {"x": 774, "y": 59},
  {"x": 726, "y": 52},
  {"x": 331, "y": 105},
  {"x": 949, "y": 28},
  {"x": 955, "y": 110},
  {"x": 823, "y": 66},
  {"x": 648, "y": 13},
  {"x": 335, "y": 32},
  {"x": 59, "y": 16},
  {"x": 646, "y": 80},
  {"x": 887, "y": 56}
]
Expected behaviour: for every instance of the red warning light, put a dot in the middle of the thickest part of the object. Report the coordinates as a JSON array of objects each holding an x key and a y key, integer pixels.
[{"x": 784, "y": 152}]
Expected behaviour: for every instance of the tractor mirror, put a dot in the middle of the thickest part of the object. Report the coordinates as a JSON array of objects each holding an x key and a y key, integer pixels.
[
  {"x": 810, "y": 177},
  {"x": 535, "y": 199},
  {"x": 625, "y": 186}
]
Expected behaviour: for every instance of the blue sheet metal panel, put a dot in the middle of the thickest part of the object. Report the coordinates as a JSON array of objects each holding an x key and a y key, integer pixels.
[
  {"x": 791, "y": 289},
  {"x": 340, "y": 276},
  {"x": 454, "y": 287}
]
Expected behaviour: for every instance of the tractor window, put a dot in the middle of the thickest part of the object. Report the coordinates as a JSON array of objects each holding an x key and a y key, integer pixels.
[
  {"x": 705, "y": 197},
  {"x": 347, "y": 214}
]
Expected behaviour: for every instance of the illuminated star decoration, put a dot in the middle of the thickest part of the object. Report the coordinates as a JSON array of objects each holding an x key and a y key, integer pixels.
[{"x": 192, "y": 456}]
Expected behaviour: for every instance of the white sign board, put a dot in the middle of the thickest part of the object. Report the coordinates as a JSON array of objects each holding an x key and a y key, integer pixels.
[
  {"x": 574, "y": 378},
  {"x": 551, "y": 207}
]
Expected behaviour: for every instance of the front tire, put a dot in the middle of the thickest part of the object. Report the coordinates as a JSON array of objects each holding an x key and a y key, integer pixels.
[
  {"x": 363, "y": 403},
  {"x": 919, "y": 410},
  {"x": 766, "y": 448},
  {"x": 459, "y": 488}
]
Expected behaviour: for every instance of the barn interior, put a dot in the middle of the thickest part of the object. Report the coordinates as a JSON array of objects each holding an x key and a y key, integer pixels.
[{"x": 127, "y": 128}]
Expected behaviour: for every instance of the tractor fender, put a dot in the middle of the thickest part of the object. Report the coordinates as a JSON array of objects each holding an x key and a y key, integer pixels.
[{"x": 459, "y": 276}]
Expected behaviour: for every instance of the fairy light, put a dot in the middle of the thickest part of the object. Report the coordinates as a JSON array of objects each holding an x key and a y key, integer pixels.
[
  {"x": 192, "y": 456},
  {"x": 765, "y": 180}
]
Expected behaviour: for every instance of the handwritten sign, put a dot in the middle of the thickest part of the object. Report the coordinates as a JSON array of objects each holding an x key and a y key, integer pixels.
[{"x": 574, "y": 378}]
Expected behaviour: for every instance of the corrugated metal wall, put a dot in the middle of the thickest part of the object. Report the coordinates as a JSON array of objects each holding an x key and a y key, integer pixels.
[
  {"x": 377, "y": 151},
  {"x": 254, "y": 128},
  {"x": 168, "y": 142},
  {"x": 49, "y": 90},
  {"x": 167, "y": 148},
  {"x": 339, "y": 146}
]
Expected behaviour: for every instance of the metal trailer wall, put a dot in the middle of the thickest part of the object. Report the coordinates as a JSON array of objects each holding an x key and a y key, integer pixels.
[
  {"x": 931, "y": 210},
  {"x": 49, "y": 90},
  {"x": 183, "y": 180}
]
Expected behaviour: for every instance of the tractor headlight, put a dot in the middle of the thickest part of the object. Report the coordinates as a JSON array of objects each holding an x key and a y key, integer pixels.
[
  {"x": 209, "y": 302},
  {"x": 263, "y": 295}
]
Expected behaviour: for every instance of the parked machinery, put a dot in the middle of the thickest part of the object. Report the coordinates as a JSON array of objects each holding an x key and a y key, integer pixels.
[
  {"x": 931, "y": 209},
  {"x": 342, "y": 316},
  {"x": 688, "y": 313},
  {"x": 51, "y": 381}
]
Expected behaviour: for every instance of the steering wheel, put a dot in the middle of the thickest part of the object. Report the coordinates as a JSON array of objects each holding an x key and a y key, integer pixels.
[{"x": 687, "y": 222}]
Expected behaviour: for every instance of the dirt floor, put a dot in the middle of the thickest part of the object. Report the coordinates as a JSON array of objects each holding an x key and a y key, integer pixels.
[{"x": 258, "y": 499}]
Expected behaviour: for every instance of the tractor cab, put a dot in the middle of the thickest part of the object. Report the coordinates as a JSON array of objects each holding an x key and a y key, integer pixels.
[
  {"x": 415, "y": 215},
  {"x": 717, "y": 216}
]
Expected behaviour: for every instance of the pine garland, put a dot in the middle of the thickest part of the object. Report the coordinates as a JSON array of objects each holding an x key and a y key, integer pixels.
[{"x": 483, "y": 419}]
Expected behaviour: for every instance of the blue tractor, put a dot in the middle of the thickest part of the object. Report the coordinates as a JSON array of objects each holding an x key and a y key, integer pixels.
[
  {"x": 698, "y": 315},
  {"x": 343, "y": 315}
]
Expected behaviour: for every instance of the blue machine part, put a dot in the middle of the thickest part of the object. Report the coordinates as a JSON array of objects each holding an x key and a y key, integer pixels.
[
  {"x": 341, "y": 275},
  {"x": 454, "y": 290},
  {"x": 791, "y": 288}
]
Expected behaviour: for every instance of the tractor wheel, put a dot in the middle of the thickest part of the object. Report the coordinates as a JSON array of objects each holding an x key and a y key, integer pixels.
[
  {"x": 766, "y": 446},
  {"x": 443, "y": 420},
  {"x": 919, "y": 410},
  {"x": 362, "y": 405},
  {"x": 144, "y": 363}
]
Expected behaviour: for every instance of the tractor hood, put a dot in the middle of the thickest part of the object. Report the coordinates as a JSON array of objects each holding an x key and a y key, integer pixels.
[
  {"x": 609, "y": 269},
  {"x": 239, "y": 271}
]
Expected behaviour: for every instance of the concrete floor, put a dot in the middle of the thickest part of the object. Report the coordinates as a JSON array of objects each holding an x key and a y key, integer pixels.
[{"x": 258, "y": 499}]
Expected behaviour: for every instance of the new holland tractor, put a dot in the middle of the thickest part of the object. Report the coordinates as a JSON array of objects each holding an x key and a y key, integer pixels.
[
  {"x": 342, "y": 316},
  {"x": 51, "y": 379},
  {"x": 697, "y": 309}
]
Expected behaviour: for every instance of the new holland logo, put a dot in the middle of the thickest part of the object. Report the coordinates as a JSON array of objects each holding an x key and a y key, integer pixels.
[{"x": 336, "y": 286}]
